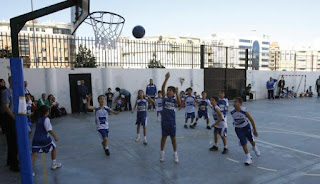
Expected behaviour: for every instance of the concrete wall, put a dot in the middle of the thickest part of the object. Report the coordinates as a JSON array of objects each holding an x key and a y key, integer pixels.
[
  {"x": 56, "y": 81},
  {"x": 258, "y": 80}
]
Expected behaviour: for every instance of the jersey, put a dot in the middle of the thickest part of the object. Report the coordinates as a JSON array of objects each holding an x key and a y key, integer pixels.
[
  {"x": 203, "y": 104},
  {"x": 41, "y": 136},
  {"x": 29, "y": 113},
  {"x": 158, "y": 104},
  {"x": 141, "y": 107},
  {"x": 239, "y": 118},
  {"x": 168, "y": 112},
  {"x": 102, "y": 118},
  {"x": 189, "y": 101},
  {"x": 223, "y": 123},
  {"x": 223, "y": 104}
]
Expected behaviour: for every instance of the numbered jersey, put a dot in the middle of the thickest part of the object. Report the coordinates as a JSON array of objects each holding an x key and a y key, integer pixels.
[
  {"x": 223, "y": 123},
  {"x": 142, "y": 107},
  {"x": 102, "y": 118},
  {"x": 189, "y": 104},
  {"x": 223, "y": 104},
  {"x": 158, "y": 104},
  {"x": 168, "y": 111},
  {"x": 239, "y": 118},
  {"x": 203, "y": 104}
]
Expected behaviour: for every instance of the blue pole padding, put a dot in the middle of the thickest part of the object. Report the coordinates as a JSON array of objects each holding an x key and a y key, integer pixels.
[{"x": 21, "y": 121}]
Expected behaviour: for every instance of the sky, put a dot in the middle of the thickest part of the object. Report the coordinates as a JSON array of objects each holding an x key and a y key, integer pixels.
[{"x": 288, "y": 22}]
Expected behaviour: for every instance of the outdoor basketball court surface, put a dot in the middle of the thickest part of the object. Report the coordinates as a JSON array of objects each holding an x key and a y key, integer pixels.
[{"x": 289, "y": 141}]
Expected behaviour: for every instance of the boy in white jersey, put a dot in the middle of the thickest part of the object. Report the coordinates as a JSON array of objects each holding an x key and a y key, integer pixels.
[
  {"x": 203, "y": 104},
  {"x": 189, "y": 104},
  {"x": 220, "y": 126},
  {"x": 101, "y": 119},
  {"x": 245, "y": 128},
  {"x": 158, "y": 101}
]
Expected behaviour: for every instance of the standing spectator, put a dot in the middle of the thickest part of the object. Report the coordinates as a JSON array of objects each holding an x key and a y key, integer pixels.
[
  {"x": 318, "y": 86},
  {"x": 7, "y": 102},
  {"x": 2, "y": 120},
  {"x": 127, "y": 95},
  {"x": 248, "y": 91},
  {"x": 281, "y": 85},
  {"x": 151, "y": 92},
  {"x": 109, "y": 96},
  {"x": 26, "y": 91},
  {"x": 270, "y": 87},
  {"x": 41, "y": 100},
  {"x": 83, "y": 93}
]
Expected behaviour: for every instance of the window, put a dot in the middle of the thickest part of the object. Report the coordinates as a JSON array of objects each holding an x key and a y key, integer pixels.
[
  {"x": 24, "y": 28},
  {"x": 43, "y": 30},
  {"x": 61, "y": 59},
  {"x": 265, "y": 48},
  {"x": 55, "y": 58},
  {"x": 37, "y": 29},
  {"x": 244, "y": 47},
  {"x": 245, "y": 41},
  {"x": 31, "y": 28},
  {"x": 43, "y": 50},
  {"x": 265, "y": 60},
  {"x": 266, "y": 43},
  {"x": 44, "y": 58},
  {"x": 66, "y": 59},
  {"x": 264, "y": 66}
]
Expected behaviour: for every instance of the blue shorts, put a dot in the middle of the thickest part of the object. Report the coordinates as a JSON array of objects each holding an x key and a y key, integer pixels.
[
  {"x": 203, "y": 114},
  {"x": 190, "y": 115},
  {"x": 104, "y": 133},
  {"x": 43, "y": 149},
  {"x": 244, "y": 134},
  {"x": 221, "y": 131},
  {"x": 141, "y": 121},
  {"x": 168, "y": 129}
]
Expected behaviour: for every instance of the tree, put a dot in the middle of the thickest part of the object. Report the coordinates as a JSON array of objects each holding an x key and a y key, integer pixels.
[
  {"x": 154, "y": 63},
  {"x": 85, "y": 58}
]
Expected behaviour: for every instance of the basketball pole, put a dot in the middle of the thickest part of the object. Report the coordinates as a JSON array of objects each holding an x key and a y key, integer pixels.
[{"x": 16, "y": 24}]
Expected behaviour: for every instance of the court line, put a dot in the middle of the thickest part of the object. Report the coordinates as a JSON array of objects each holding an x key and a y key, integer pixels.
[
  {"x": 299, "y": 117},
  {"x": 294, "y": 132},
  {"x": 306, "y": 174},
  {"x": 232, "y": 160},
  {"x": 267, "y": 169},
  {"x": 44, "y": 168}
]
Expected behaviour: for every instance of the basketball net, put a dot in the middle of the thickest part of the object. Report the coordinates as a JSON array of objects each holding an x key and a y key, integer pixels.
[{"x": 107, "y": 28}]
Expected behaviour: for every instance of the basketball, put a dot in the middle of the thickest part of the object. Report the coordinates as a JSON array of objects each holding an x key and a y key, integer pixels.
[{"x": 138, "y": 32}]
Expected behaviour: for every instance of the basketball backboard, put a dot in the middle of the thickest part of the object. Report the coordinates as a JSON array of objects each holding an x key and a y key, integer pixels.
[{"x": 79, "y": 13}]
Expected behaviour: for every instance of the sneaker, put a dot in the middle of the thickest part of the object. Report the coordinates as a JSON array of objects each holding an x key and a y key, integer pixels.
[
  {"x": 176, "y": 158},
  {"x": 256, "y": 150},
  {"x": 107, "y": 152},
  {"x": 55, "y": 165},
  {"x": 33, "y": 174},
  {"x": 214, "y": 148},
  {"x": 162, "y": 157},
  {"x": 137, "y": 139},
  {"x": 225, "y": 151},
  {"x": 248, "y": 161},
  {"x": 145, "y": 142},
  {"x": 192, "y": 126},
  {"x": 185, "y": 126},
  {"x": 208, "y": 127}
]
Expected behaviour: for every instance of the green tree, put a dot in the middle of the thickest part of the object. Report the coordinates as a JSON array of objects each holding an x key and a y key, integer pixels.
[{"x": 85, "y": 58}]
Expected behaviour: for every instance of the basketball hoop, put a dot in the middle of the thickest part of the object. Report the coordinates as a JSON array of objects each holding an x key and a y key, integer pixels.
[{"x": 107, "y": 28}]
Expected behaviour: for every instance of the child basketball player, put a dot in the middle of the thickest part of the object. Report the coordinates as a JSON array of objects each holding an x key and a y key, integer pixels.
[
  {"x": 245, "y": 129},
  {"x": 141, "y": 103},
  {"x": 189, "y": 104},
  {"x": 203, "y": 104},
  {"x": 102, "y": 123},
  {"x": 168, "y": 118},
  {"x": 158, "y": 101},
  {"x": 41, "y": 140},
  {"x": 220, "y": 126}
]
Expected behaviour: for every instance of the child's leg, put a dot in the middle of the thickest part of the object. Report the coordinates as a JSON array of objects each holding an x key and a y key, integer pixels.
[
  {"x": 215, "y": 138},
  {"x": 54, "y": 154},
  {"x": 144, "y": 131},
  {"x": 174, "y": 143},
  {"x": 224, "y": 140},
  {"x": 192, "y": 119},
  {"x": 33, "y": 157},
  {"x": 105, "y": 143},
  {"x": 245, "y": 149},
  {"x": 253, "y": 143},
  {"x": 207, "y": 119},
  {"x": 163, "y": 143},
  {"x": 138, "y": 128}
]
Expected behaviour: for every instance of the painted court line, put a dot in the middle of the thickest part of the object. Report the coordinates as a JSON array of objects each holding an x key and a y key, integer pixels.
[
  {"x": 294, "y": 132},
  {"x": 232, "y": 160},
  {"x": 44, "y": 168},
  {"x": 299, "y": 117},
  {"x": 267, "y": 169},
  {"x": 306, "y": 174}
]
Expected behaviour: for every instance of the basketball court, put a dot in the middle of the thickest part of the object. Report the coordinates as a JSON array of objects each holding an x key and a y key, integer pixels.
[{"x": 288, "y": 141}]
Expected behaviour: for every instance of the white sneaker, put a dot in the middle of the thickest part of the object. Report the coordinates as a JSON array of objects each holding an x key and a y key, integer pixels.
[
  {"x": 33, "y": 174},
  {"x": 176, "y": 158},
  {"x": 56, "y": 165},
  {"x": 159, "y": 119},
  {"x": 161, "y": 156},
  {"x": 256, "y": 150},
  {"x": 145, "y": 142},
  {"x": 248, "y": 161},
  {"x": 137, "y": 139}
]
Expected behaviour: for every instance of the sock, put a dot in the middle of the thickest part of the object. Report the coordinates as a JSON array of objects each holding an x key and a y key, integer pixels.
[
  {"x": 54, "y": 161},
  {"x": 248, "y": 155},
  {"x": 226, "y": 146},
  {"x": 162, "y": 152},
  {"x": 216, "y": 144},
  {"x": 106, "y": 147},
  {"x": 145, "y": 137},
  {"x": 138, "y": 136},
  {"x": 175, "y": 152}
]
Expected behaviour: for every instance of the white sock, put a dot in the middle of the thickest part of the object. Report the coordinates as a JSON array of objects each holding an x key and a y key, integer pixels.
[
  {"x": 216, "y": 144},
  {"x": 106, "y": 147},
  {"x": 145, "y": 137},
  {"x": 138, "y": 136},
  {"x": 248, "y": 155},
  {"x": 226, "y": 146},
  {"x": 54, "y": 161},
  {"x": 162, "y": 152},
  {"x": 176, "y": 153}
]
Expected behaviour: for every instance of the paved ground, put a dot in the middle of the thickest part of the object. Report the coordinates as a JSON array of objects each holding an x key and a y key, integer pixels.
[{"x": 289, "y": 144}]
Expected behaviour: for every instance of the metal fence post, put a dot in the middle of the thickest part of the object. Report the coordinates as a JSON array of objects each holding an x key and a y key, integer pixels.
[
  {"x": 247, "y": 59},
  {"x": 202, "y": 47}
]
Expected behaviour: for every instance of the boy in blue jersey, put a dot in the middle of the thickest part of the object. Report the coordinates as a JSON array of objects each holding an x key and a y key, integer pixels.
[
  {"x": 141, "y": 103},
  {"x": 159, "y": 105},
  {"x": 101, "y": 119},
  {"x": 245, "y": 128},
  {"x": 220, "y": 126},
  {"x": 42, "y": 141},
  {"x": 223, "y": 104},
  {"x": 189, "y": 104},
  {"x": 168, "y": 117},
  {"x": 203, "y": 104}
]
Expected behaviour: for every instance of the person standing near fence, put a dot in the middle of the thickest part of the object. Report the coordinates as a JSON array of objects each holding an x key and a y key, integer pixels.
[
  {"x": 270, "y": 87},
  {"x": 281, "y": 85},
  {"x": 83, "y": 93},
  {"x": 151, "y": 92},
  {"x": 318, "y": 86}
]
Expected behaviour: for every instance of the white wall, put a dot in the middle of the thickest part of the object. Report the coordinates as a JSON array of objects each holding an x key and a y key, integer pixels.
[{"x": 258, "y": 80}]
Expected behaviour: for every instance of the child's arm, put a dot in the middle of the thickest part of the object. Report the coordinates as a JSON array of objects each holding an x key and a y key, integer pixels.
[
  {"x": 88, "y": 103},
  {"x": 113, "y": 112},
  {"x": 150, "y": 100},
  {"x": 164, "y": 85},
  {"x": 219, "y": 118},
  {"x": 178, "y": 98},
  {"x": 53, "y": 135},
  {"x": 255, "y": 133},
  {"x": 135, "y": 106}
]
